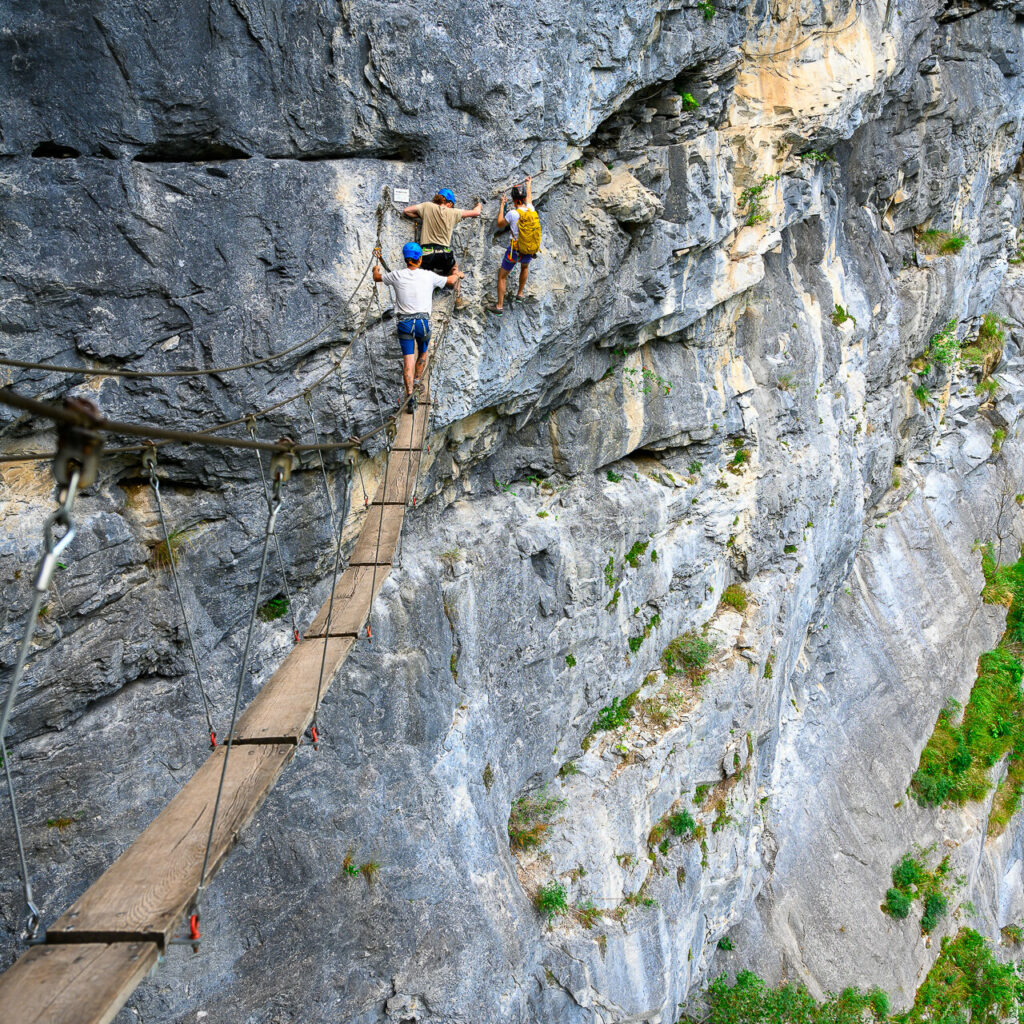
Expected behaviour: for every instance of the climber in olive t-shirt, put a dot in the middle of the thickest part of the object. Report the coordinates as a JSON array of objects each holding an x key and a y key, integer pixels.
[
  {"x": 414, "y": 290},
  {"x": 439, "y": 219}
]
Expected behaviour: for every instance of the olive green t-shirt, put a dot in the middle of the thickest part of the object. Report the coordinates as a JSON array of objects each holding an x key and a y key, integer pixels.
[{"x": 438, "y": 223}]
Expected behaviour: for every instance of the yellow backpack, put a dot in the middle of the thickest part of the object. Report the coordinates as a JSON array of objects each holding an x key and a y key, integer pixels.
[{"x": 529, "y": 233}]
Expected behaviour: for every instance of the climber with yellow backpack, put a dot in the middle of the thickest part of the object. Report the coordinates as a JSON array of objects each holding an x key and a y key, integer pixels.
[{"x": 524, "y": 224}]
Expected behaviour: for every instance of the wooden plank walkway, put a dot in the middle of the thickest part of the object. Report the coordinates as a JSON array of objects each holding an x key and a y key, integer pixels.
[
  {"x": 145, "y": 893},
  {"x": 367, "y": 550},
  {"x": 74, "y": 984},
  {"x": 283, "y": 709},
  {"x": 111, "y": 937}
]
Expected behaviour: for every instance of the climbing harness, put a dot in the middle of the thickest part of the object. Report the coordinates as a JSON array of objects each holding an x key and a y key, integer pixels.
[
  {"x": 149, "y": 464},
  {"x": 277, "y": 543},
  {"x": 280, "y": 472},
  {"x": 74, "y": 469}
]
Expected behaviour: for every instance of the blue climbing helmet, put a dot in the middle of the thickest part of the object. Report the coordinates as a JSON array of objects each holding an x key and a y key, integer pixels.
[
  {"x": 448, "y": 194},
  {"x": 411, "y": 251}
]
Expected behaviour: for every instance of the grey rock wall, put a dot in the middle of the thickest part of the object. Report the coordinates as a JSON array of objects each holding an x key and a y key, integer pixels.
[{"x": 206, "y": 188}]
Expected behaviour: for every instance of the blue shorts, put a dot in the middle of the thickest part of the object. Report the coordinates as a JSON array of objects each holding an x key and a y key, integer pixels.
[
  {"x": 514, "y": 256},
  {"x": 414, "y": 334}
]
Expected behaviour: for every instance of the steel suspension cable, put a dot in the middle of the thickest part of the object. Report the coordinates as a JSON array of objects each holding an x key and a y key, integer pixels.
[
  {"x": 315, "y": 725},
  {"x": 336, "y": 536},
  {"x": 32, "y": 914},
  {"x": 150, "y": 430},
  {"x": 280, "y": 471},
  {"x": 47, "y": 565},
  {"x": 149, "y": 462}
]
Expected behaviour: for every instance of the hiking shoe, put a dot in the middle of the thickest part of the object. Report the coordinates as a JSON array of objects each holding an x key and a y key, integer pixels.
[
  {"x": 495, "y": 310},
  {"x": 461, "y": 303},
  {"x": 410, "y": 406}
]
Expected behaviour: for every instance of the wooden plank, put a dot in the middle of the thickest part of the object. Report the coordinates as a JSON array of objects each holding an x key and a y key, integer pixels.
[
  {"x": 366, "y": 549},
  {"x": 400, "y": 479},
  {"x": 411, "y": 429},
  {"x": 352, "y": 600},
  {"x": 76, "y": 984},
  {"x": 145, "y": 893},
  {"x": 284, "y": 707}
]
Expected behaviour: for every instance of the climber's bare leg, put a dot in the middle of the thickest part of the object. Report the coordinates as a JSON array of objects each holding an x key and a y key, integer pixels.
[{"x": 524, "y": 270}]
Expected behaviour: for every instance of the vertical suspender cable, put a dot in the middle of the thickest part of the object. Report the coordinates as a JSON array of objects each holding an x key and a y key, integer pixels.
[
  {"x": 280, "y": 468},
  {"x": 251, "y": 424},
  {"x": 323, "y": 468},
  {"x": 149, "y": 462},
  {"x": 336, "y": 531}
]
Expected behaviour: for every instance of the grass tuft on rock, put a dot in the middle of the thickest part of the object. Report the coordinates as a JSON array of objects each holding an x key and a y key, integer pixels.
[
  {"x": 689, "y": 653},
  {"x": 530, "y": 818},
  {"x": 734, "y": 596}
]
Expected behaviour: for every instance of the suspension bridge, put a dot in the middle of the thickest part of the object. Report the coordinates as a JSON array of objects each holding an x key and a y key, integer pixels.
[{"x": 83, "y": 967}]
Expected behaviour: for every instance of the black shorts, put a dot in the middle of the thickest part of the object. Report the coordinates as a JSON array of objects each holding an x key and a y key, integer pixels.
[{"x": 439, "y": 261}]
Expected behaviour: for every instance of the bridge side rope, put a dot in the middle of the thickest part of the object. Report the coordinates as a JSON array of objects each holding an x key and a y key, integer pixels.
[
  {"x": 149, "y": 464},
  {"x": 280, "y": 471},
  {"x": 314, "y": 728},
  {"x": 164, "y": 435},
  {"x": 75, "y": 469},
  {"x": 25, "y": 364}
]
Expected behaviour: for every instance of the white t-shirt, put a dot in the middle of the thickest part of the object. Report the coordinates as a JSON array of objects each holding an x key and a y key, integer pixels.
[
  {"x": 512, "y": 216},
  {"x": 414, "y": 289}
]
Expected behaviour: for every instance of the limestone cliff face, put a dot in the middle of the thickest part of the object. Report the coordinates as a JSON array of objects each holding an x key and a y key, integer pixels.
[{"x": 713, "y": 184}]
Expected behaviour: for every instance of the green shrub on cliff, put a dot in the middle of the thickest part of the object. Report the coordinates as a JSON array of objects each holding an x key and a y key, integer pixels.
[
  {"x": 551, "y": 901},
  {"x": 966, "y": 985},
  {"x": 956, "y": 762}
]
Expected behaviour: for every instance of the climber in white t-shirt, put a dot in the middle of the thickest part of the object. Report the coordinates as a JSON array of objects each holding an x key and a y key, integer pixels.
[{"x": 414, "y": 297}]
